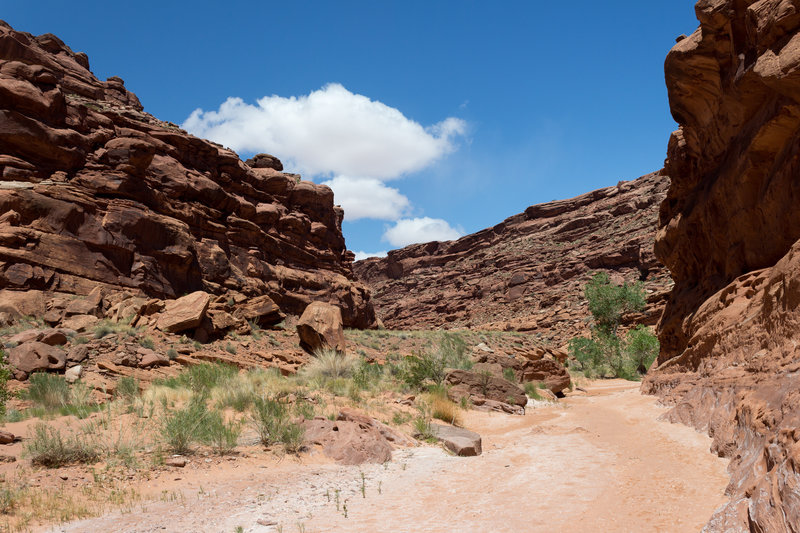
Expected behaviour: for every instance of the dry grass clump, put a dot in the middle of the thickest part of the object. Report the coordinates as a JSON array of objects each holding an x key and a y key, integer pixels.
[
  {"x": 329, "y": 364},
  {"x": 49, "y": 448},
  {"x": 445, "y": 410}
]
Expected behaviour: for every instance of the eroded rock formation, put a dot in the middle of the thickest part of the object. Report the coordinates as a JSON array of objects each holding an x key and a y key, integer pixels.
[
  {"x": 527, "y": 273},
  {"x": 96, "y": 192},
  {"x": 729, "y": 232}
]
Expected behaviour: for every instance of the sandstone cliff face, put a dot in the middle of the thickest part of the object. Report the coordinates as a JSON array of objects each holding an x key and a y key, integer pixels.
[
  {"x": 729, "y": 232},
  {"x": 526, "y": 273},
  {"x": 94, "y": 191}
]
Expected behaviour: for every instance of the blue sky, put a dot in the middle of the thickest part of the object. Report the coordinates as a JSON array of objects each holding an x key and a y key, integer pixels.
[{"x": 429, "y": 119}]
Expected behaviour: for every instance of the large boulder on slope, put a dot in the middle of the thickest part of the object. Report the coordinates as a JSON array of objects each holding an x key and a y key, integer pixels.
[{"x": 320, "y": 327}]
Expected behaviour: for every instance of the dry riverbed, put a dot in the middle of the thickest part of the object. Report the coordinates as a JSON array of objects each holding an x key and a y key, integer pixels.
[{"x": 598, "y": 462}]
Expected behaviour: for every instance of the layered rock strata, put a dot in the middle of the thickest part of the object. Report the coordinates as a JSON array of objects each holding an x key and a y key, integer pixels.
[
  {"x": 729, "y": 231},
  {"x": 96, "y": 192},
  {"x": 527, "y": 273}
]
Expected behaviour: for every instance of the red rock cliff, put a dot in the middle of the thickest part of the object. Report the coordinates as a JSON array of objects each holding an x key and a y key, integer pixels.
[
  {"x": 729, "y": 232},
  {"x": 94, "y": 191},
  {"x": 526, "y": 273}
]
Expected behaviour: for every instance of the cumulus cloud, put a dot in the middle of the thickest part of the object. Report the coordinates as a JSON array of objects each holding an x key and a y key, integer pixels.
[
  {"x": 330, "y": 132},
  {"x": 367, "y": 198},
  {"x": 365, "y": 255},
  {"x": 416, "y": 230}
]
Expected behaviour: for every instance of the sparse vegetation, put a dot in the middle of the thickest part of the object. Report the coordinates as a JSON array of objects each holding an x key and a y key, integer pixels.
[
  {"x": 49, "y": 448},
  {"x": 270, "y": 419},
  {"x": 430, "y": 366}
]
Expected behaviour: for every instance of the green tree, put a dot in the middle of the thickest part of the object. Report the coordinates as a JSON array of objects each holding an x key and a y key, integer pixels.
[
  {"x": 608, "y": 303},
  {"x": 641, "y": 347},
  {"x": 604, "y": 353}
]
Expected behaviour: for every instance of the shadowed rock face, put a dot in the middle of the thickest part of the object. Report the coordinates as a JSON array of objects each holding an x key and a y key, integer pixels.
[
  {"x": 527, "y": 273},
  {"x": 94, "y": 191},
  {"x": 729, "y": 232}
]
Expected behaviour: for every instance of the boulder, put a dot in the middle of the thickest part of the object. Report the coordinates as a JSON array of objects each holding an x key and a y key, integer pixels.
[
  {"x": 77, "y": 353},
  {"x": 261, "y": 310},
  {"x": 26, "y": 336},
  {"x": 6, "y": 437},
  {"x": 320, "y": 327},
  {"x": 35, "y": 357},
  {"x": 73, "y": 374},
  {"x": 548, "y": 371},
  {"x": 80, "y": 323},
  {"x": 348, "y": 442},
  {"x": 186, "y": 312},
  {"x": 53, "y": 337},
  {"x": 484, "y": 385},
  {"x": 460, "y": 441},
  {"x": 149, "y": 358}
]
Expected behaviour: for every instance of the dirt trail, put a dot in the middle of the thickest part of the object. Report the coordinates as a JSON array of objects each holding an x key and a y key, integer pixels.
[{"x": 600, "y": 462}]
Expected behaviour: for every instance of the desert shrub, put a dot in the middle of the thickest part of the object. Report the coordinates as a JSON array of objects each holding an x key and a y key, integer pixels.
[
  {"x": 432, "y": 365},
  {"x": 49, "y": 448},
  {"x": 183, "y": 427},
  {"x": 127, "y": 389},
  {"x": 367, "y": 374},
  {"x": 509, "y": 374},
  {"x": 423, "y": 429},
  {"x": 329, "y": 364},
  {"x": 222, "y": 436},
  {"x": 5, "y": 375},
  {"x": 49, "y": 391},
  {"x": 270, "y": 419},
  {"x": 230, "y": 348},
  {"x": 532, "y": 391},
  {"x": 201, "y": 378},
  {"x": 147, "y": 342}
]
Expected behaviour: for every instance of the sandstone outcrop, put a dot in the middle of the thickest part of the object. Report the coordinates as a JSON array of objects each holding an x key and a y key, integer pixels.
[
  {"x": 527, "y": 273},
  {"x": 94, "y": 192},
  {"x": 483, "y": 385},
  {"x": 729, "y": 231},
  {"x": 353, "y": 438}
]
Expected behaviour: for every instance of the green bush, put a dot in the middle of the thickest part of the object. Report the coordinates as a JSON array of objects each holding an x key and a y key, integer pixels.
[
  {"x": 183, "y": 427},
  {"x": 127, "y": 389},
  {"x": 222, "y": 436},
  {"x": 270, "y": 419},
  {"x": 509, "y": 374},
  {"x": 201, "y": 378},
  {"x": 49, "y": 448},
  {"x": 432, "y": 365},
  {"x": 608, "y": 303}
]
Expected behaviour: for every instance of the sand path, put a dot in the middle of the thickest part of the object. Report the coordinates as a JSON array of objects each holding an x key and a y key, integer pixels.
[{"x": 600, "y": 462}]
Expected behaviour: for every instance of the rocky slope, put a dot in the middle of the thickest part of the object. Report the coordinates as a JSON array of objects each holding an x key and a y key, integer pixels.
[
  {"x": 526, "y": 273},
  {"x": 96, "y": 192},
  {"x": 729, "y": 232}
]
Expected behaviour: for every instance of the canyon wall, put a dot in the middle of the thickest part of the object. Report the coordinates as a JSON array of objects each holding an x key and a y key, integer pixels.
[
  {"x": 729, "y": 231},
  {"x": 96, "y": 192},
  {"x": 527, "y": 273}
]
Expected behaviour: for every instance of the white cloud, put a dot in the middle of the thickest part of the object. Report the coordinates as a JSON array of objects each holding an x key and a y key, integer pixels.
[
  {"x": 416, "y": 230},
  {"x": 329, "y": 132},
  {"x": 367, "y": 198},
  {"x": 365, "y": 255}
]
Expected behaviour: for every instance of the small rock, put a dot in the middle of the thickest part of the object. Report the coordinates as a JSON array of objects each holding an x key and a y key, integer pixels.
[
  {"x": 73, "y": 374},
  {"x": 6, "y": 437},
  {"x": 460, "y": 441},
  {"x": 176, "y": 461}
]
